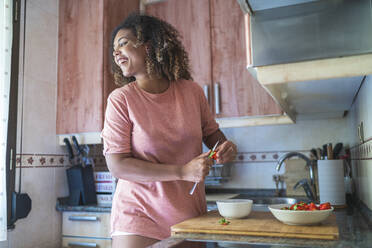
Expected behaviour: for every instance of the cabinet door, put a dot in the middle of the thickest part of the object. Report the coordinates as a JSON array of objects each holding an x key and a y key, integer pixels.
[
  {"x": 84, "y": 61},
  {"x": 240, "y": 94},
  {"x": 115, "y": 11},
  {"x": 191, "y": 19},
  {"x": 80, "y": 66}
]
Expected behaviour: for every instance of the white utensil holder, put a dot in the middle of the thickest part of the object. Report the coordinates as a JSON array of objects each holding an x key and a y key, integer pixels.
[{"x": 331, "y": 181}]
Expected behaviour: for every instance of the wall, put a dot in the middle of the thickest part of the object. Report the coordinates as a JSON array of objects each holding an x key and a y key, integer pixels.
[
  {"x": 362, "y": 151},
  {"x": 43, "y": 175},
  {"x": 260, "y": 147}
]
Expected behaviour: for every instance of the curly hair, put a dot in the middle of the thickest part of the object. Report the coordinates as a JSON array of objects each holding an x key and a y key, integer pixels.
[{"x": 166, "y": 56}]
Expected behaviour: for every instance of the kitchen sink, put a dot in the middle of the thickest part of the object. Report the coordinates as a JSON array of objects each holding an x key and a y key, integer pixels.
[
  {"x": 261, "y": 203},
  {"x": 268, "y": 200}
]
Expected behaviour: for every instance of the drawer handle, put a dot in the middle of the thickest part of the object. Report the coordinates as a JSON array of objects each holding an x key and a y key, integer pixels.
[
  {"x": 81, "y": 244},
  {"x": 83, "y": 218}
]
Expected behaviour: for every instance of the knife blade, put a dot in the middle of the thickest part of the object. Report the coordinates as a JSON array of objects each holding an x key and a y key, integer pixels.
[{"x": 209, "y": 156}]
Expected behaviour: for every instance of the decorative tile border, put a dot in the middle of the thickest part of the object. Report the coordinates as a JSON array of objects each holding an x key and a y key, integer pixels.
[
  {"x": 362, "y": 151},
  {"x": 265, "y": 156},
  {"x": 51, "y": 160},
  {"x": 62, "y": 160}
]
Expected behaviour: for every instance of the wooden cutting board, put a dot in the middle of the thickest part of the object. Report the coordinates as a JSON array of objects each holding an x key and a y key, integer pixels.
[{"x": 257, "y": 224}]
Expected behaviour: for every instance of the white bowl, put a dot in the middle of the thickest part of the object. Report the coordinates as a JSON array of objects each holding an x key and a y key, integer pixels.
[
  {"x": 234, "y": 208},
  {"x": 299, "y": 217}
]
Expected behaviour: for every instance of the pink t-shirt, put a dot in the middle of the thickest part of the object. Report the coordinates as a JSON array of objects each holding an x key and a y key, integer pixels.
[{"x": 165, "y": 128}]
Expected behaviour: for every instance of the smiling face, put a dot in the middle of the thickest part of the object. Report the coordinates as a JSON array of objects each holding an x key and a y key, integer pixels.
[{"x": 129, "y": 57}]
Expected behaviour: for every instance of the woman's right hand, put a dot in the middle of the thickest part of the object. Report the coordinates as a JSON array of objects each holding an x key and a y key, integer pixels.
[{"x": 198, "y": 168}]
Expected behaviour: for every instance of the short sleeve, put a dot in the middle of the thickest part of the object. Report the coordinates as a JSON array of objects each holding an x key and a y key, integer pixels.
[
  {"x": 209, "y": 124},
  {"x": 117, "y": 129}
]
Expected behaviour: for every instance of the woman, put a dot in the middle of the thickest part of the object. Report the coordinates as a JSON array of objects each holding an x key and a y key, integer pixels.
[{"x": 154, "y": 128}]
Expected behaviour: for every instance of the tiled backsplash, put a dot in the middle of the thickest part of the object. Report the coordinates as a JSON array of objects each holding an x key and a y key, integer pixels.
[
  {"x": 264, "y": 156},
  {"x": 58, "y": 160},
  {"x": 52, "y": 160},
  {"x": 362, "y": 151}
]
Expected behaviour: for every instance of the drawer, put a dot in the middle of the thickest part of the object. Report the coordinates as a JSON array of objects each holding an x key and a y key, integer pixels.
[
  {"x": 91, "y": 224},
  {"x": 71, "y": 242}
]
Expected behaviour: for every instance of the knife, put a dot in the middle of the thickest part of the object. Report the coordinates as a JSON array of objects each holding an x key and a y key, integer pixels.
[
  {"x": 324, "y": 151},
  {"x": 319, "y": 153},
  {"x": 74, "y": 140},
  {"x": 69, "y": 150},
  {"x": 337, "y": 150},
  {"x": 79, "y": 150},
  {"x": 209, "y": 156},
  {"x": 313, "y": 152}
]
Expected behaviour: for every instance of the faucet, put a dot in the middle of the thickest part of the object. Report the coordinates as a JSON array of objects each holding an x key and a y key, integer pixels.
[{"x": 310, "y": 191}]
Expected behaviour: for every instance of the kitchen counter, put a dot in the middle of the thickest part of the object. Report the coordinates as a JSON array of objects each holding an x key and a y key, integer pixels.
[
  {"x": 355, "y": 231},
  {"x": 62, "y": 206}
]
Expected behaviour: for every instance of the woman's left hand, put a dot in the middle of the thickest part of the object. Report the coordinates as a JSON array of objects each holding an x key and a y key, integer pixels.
[{"x": 226, "y": 152}]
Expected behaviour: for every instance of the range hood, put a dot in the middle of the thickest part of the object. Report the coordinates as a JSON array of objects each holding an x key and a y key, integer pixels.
[{"x": 320, "y": 43}]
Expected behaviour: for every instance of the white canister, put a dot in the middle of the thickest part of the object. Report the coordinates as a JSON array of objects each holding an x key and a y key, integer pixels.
[{"x": 331, "y": 181}]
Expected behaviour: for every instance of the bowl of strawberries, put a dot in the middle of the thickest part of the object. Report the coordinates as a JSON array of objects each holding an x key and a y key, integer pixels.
[{"x": 301, "y": 213}]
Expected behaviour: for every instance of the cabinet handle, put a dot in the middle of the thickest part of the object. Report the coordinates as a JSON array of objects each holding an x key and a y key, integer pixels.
[
  {"x": 81, "y": 244},
  {"x": 206, "y": 92},
  {"x": 11, "y": 159},
  {"x": 83, "y": 218},
  {"x": 217, "y": 97}
]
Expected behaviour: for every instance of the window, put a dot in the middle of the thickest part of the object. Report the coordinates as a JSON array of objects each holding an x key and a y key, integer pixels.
[{"x": 9, "y": 51}]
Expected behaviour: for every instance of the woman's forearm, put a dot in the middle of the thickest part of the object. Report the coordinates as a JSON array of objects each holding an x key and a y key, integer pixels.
[
  {"x": 133, "y": 169},
  {"x": 211, "y": 140}
]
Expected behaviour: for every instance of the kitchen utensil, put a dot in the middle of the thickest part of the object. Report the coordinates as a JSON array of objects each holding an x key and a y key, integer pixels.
[
  {"x": 234, "y": 208},
  {"x": 209, "y": 156},
  {"x": 331, "y": 182},
  {"x": 314, "y": 153},
  {"x": 319, "y": 153},
  {"x": 329, "y": 151},
  {"x": 262, "y": 224},
  {"x": 76, "y": 144},
  {"x": 80, "y": 180},
  {"x": 337, "y": 150},
  {"x": 299, "y": 217},
  {"x": 69, "y": 150},
  {"x": 324, "y": 151},
  {"x": 83, "y": 153}
]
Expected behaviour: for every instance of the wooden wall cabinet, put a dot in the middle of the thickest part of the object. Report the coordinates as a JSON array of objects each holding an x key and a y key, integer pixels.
[
  {"x": 213, "y": 33},
  {"x": 84, "y": 65}
]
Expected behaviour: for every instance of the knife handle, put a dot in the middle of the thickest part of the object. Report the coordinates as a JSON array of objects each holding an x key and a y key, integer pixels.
[
  {"x": 80, "y": 152},
  {"x": 193, "y": 188},
  {"x": 329, "y": 151},
  {"x": 69, "y": 148},
  {"x": 319, "y": 153}
]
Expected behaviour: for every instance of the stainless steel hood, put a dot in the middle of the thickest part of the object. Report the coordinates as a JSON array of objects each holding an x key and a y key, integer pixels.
[
  {"x": 306, "y": 52},
  {"x": 292, "y": 31}
]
